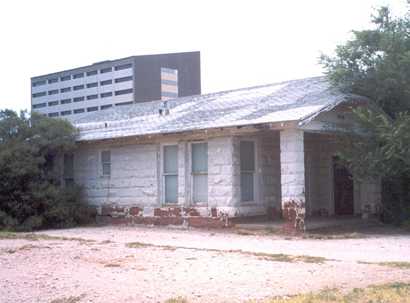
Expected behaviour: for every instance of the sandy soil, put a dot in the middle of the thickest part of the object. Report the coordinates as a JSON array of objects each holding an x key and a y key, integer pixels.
[{"x": 196, "y": 264}]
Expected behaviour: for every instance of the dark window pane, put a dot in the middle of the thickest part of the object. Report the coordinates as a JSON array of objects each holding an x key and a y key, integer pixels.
[
  {"x": 247, "y": 187},
  {"x": 123, "y": 92},
  {"x": 247, "y": 155},
  {"x": 94, "y": 84},
  {"x": 171, "y": 159},
  {"x": 123, "y": 66},
  {"x": 106, "y": 82},
  {"x": 105, "y": 70},
  {"x": 92, "y": 72},
  {"x": 78, "y": 87},
  {"x": 123, "y": 79},
  {"x": 65, "y": 78},
  {"x": 77, "y": 76},
  {"x": 78, "y": 99}
]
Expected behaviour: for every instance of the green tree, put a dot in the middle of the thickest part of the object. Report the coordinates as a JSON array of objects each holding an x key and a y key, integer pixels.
[
  {"x": 31, "y": 195},
  {"x": 376, "y": 63}
]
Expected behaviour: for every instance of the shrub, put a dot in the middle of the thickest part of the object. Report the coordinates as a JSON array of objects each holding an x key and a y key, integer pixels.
[{"x": 31, "y": 194}]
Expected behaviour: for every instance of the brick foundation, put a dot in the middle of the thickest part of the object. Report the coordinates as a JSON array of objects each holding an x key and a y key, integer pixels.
[{"x": 160, "y": 216}]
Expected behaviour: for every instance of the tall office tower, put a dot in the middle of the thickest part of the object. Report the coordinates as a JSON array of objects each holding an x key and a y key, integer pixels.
[{"x": 75, "y": 92}]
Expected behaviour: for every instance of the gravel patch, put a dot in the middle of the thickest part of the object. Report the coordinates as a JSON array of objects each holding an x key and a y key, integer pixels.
[{"x": 199, "y": 265}]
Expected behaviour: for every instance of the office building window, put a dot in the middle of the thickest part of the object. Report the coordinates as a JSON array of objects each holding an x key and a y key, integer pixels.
[
  {"x": 106, "y": 106},
  {"x": 65, "y": 101},
  {"x": 105, "y": 95},
  {"x": 79, "y": 75},
  {"x": 92, "y": 72},
  {"x": 92, "y": 109},
  {"x": 53, "y": 92},
  {"x": 124, "y": 103},
  {"x": 53, "y": 103},
  {"x": 90, "y": 85},
  {"x": 79, "y": 110},
  {"x": 38, "y": 83},
  {"x": 51, "y": 115},
  {"x": 65, "y": 89},
  {"x": 123, "y": 79},
  {"x": 68, "y": 168},
  {"x": 78, "y": 87},
  {"x": 65, "y": 113},
  {"x": 41, "y": 94},
  {"x": 106, "y": 163},
  {"x": 123, "y": 66},
  {"x": 92, "y": 97},
  {"x": 78, "y": 99},
  {"x": 170, "y": 173},
  {"x": 200, "y": 172},
  {"x": 105, "y": 70},
  {"x": 247, "y": 164},
  {"x": 52, "y": 80},
  {"x": 106, "y": 82},
  {"x": 40, "y": 105},
  {"x": 65, "y": 78},
  {"x": 123, "y": 92}
]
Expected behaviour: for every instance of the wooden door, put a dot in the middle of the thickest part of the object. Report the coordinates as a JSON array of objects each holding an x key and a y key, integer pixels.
[{"x": 343, "y": 189}]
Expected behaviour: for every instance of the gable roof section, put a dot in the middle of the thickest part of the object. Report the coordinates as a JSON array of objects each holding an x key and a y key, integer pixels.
[{"x": 296, "y": 100}]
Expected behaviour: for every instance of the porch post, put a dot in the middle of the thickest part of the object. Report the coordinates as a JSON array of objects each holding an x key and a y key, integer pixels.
[{"x": 292, "y": 163}]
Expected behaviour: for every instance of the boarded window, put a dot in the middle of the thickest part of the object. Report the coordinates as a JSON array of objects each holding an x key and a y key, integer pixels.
[
  {"x": 68, "y": 172},
  {"x": 247, "y": 162},
  {"x": 200, "y": 172},
  {"x": 106, "y": 162},
  {"x": 171, "y": 173}
]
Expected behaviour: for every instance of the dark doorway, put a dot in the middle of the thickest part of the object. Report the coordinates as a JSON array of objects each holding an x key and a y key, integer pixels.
[{"x": 343, "y": 189}]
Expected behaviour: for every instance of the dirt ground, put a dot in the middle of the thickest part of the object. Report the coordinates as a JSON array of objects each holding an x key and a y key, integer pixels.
[{"x": 151, "y": 264}]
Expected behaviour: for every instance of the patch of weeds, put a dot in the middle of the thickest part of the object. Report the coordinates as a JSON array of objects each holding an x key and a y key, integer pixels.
[
  {"x": 401, "y": 265},
  {"x": 5, "y": 235},
  {"x": 264, "y": 256},
  {"x": 72, "y": 299},
  {"x": 106, "y": 242},
  {"x": 112, "y": 265},
  {"x": 392, "y": 293},
  {"x": 341, "y": 236},
  {"x": 177, "y": 300},
  {"x": 289, "y": 258},
  {"x": 23, "y": 248},
  {"x": 396, "y": 264},
  {"x": 139, "y": 245}
]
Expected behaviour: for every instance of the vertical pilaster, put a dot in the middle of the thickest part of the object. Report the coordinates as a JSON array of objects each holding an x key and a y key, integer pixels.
[{"x": 292, "y": 162}]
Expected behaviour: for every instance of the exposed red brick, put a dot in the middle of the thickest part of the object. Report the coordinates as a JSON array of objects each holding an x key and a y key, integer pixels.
[
  {"x": 135, "y": 211},
  {"x": 214, "y": 212},
  {"x": 190, "y": 211},
  {"x": 167, "y": 212},
  {"x": 291, "y": 213}
]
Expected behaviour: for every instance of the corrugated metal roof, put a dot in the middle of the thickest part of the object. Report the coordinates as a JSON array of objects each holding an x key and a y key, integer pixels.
[{"x": 293, "y": 100}]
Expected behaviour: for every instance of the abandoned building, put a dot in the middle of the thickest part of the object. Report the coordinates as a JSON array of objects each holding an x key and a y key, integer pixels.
[{"x": 205, "y": 159}]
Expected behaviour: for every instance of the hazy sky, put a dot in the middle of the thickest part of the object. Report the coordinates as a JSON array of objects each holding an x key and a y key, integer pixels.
[{"x": 242, "y": 43}]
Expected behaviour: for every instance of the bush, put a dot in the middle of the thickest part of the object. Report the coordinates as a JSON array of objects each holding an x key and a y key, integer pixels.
[{"x": 31, "y": 194}]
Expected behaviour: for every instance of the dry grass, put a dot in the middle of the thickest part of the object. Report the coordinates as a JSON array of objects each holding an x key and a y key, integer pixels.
[
  {"x": 23, "y": 248},
  {"x": 177, "y": 300},
  {"x": 401, "y": 265},
  {"x": 390, "y": 293},
  {"x": 72, "y": 299},
  {"x": 6, "y": 235},
  {"x": 264, "y": 256}
]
